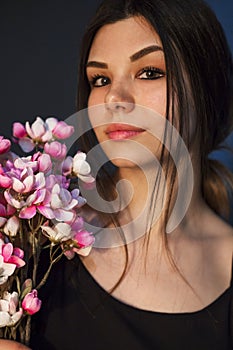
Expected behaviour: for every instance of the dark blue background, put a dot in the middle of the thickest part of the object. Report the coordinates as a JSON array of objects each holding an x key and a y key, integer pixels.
[{"x": 39, "y": 53}]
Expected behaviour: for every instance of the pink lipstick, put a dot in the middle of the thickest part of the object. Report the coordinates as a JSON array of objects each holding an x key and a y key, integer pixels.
[{"x": 122, "y": 131}]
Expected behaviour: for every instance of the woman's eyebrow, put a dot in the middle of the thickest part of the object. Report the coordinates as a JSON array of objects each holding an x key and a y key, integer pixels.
[
  {"x": 145, "y": 51},
  {"x": 136, "y": 56},
  {"x": 96, "y": 64}
]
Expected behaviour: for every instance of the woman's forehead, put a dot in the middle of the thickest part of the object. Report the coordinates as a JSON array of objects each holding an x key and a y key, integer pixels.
[{"x": 124, "y": 36}]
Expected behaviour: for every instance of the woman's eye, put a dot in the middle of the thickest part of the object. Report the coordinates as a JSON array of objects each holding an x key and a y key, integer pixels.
[
  {"x": 151, "y": 73},
  {"x": 99, "y": 80}
]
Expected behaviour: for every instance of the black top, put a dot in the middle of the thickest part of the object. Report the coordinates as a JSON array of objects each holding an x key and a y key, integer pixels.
[{"x": 77, "y": 313}]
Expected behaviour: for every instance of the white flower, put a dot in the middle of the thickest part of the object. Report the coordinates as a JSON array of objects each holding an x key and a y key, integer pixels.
[
  {"x": 6, "y": 270},
  {"x": 59, "y": 233},
  {"x": 81, "y": 168},
  {"x": 8, "y": 309},
  {"x": 12, "y": 226}
]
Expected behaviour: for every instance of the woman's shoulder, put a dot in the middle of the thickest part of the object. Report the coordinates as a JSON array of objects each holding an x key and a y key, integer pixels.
[
  {"x": 220, "y": 232},
  {"x": 210, "y": 228},
  {"x": 217, "y": 241}
]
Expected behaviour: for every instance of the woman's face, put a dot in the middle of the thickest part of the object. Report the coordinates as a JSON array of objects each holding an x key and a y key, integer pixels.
[{"x": 126, "y": 70}]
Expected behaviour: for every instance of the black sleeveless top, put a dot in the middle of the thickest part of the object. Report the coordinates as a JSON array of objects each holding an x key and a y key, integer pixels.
[{"x": 79, "y": 314}]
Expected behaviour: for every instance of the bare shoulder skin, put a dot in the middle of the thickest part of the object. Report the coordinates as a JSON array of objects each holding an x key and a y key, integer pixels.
[{"x": 11, "y": 345}]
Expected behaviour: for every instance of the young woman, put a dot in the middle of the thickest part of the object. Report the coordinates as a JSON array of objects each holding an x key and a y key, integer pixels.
[{"x": 149, "y": 68}]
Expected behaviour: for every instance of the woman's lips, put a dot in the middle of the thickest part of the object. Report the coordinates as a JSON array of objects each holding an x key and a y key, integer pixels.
[{"x": 122, "y": 131}]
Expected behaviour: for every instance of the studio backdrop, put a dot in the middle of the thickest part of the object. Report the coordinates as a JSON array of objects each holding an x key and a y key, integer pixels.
[{"x": 40, "y": 43}]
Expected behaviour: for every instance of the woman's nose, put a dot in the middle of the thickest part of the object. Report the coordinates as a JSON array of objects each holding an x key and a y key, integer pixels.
[{"x": 119, "y": 99}]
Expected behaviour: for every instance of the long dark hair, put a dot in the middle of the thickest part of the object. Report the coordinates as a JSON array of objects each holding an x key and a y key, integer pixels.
[
  {"x": 196, "y": 51},
  {"x": 199, "y": 72}
]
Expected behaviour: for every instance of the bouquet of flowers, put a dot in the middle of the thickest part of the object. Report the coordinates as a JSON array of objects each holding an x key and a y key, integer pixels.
[{"x": 39, "y": 209}]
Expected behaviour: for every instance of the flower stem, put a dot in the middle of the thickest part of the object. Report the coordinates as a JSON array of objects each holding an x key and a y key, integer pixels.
[
  {"x": 44, "y": 279},
  {"x": 28, "y": 330}
]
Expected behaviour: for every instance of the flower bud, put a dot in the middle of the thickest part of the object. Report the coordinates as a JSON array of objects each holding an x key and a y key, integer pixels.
[
  {"x": 19, "y": 130},
  {"x": 5, "y": 145},
  {"x": 31, "y": 304},
  {"x": 56, "y": 150}
]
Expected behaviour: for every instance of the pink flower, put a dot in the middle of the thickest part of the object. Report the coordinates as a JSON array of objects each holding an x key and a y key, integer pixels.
[
  {"x": 82, "y": 240},
  {"x": 40, "y": 132},
  {"x": 56, "y": 150},
  {"x": 37, "y": 162},
  {"x": 31, "y": 303},
  {"x": 45, "y": 131},
  {"x": 19, "y": 131},
  {"x": 62, "y": 199},
  {"x": 9, "y": 315},
  {"x": 26, "y": 162},
  {"x": 5, "y": 181},
  {"x": 10, "y": 258},
  {"x": 11, "y": 255},
  {"x": 29, "y": 136},
  {"x": 5, "y": 145},
  {"x": 62, "y": 130},
  {"x": 25, "y": 181},
  {"x": 27, "y": 192},
  {"x": 6, "y": 210},
  {"x": 59, "y": 204},
  {"x": 36, "y": 130},
  {"x": 44, "y": 163}
]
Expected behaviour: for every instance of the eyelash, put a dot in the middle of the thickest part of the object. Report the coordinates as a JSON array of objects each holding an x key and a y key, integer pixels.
[
  {"x": 94, "y": 79},
  {"x": 159, "y": 74}
]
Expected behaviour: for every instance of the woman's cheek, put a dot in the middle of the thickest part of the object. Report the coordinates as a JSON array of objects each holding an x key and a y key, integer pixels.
[
  {"x": 96, "y": 97},
  {"x": 152, "y": 95}
]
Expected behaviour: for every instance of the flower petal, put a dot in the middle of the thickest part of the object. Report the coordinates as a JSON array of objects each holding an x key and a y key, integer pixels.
[
  {"x": 46, "y": 211},
  {"x": 17, "y": 185},
  {"x": 5, "y": 181},
  {"x": 7, "y": 251},
  {"x": 28, "y": 212},
  {"x": 12, "y": 226},
  {"x": 19, "y": 130},
  {"x": 63, "y": 215},
  {"x": 17, "y": 261},
  {"x": 5, "y": 319},
  {"x": 26, "y": 144}
]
